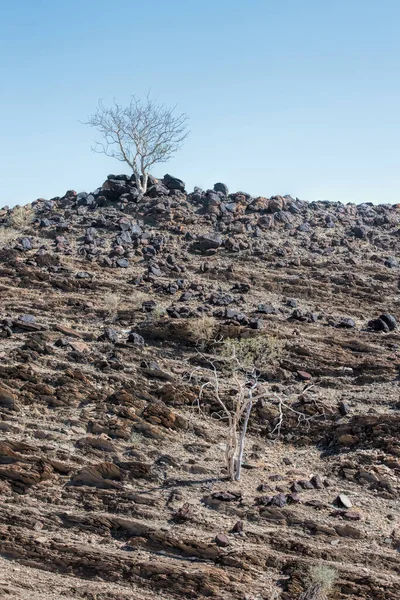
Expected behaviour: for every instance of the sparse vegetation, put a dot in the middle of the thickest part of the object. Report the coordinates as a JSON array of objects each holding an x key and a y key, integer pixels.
[
  {"x": 180, "y": 410},
  {"x": 321, "y": 582},
  {"x": 136, "y": 439},
  {"x": 253, "y": 351},
  {"x": 137, "y": 299},
  {"x": 202, "y": 331},
  {"x": 158, "y": 312},
  {"x": 236, "y": 410},
  {"x": 111, "y": 302},
  {"x": 244, "y": 391},
  {"x": 8, "y": 235},
  {"x": 21, "y": 217}
]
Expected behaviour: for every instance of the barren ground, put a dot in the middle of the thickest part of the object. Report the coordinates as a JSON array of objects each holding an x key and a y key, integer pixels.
[{"x": 104, "y": 444}]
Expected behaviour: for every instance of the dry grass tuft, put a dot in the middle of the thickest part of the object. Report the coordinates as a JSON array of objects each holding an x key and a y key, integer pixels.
[
  {"x": 8, "y": 235},
  {"x": 111, "y": 303},
  {"x": 202, "y": 331},
  {"x": 158, "y": 312},
  {"x": 321, "y": 582},
  {"x": 21, "y": 217},
  {"x": 137, "y": 299}
]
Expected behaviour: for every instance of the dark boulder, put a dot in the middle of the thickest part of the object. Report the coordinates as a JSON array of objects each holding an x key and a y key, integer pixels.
[
  {"x": 112, "y": 189},
  {"x": 266, "y": 309},
  {"x": 385, "y": 323},
  {"x": 222, "y": 540},
  {"x": 209, "y": 241},
  {"x": 276, "y": 204},
  {"x": 221, "y": 187},
  {"x": 390, "y": 321},
  {"x": 360, "y": 232},
  {"x": 173, "y": 183},
  {"x": 346, "y": 323},
  {"x": 344, "y": 409},
  {"x": 157, "y": 190},
  {"x": 279, "y": 500},
  {"x": 7, "y": 399},
  {"x": 378, "y": 325},
  {"x": 135, "y": 338},
  {"x": 121, "y": 177},
  {"x": 227, "y": 496}
]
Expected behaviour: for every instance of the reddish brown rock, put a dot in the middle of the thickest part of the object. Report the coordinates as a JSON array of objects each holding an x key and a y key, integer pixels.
[{"x": 222, "y": 540}]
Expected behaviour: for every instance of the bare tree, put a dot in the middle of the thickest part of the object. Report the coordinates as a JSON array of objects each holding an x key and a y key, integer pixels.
[
  {"x": 237, "y": 413},
  {"x": 141, "y": 134},
  {"x": 238, "y": 396}
]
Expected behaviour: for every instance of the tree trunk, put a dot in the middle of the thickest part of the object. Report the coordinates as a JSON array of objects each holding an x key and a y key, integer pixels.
[
  {"x": 242, "y": 440},
  {"x": 314, "y": 592},
  {"x": 145, "y": 180},
  {"x": 139, "y": 184}
]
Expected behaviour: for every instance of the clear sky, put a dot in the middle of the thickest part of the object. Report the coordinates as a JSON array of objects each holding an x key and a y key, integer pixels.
[{"x": 284, "y": 96}]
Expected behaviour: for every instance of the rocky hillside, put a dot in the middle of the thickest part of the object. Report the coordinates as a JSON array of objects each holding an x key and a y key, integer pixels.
[{"x": 115, "y": 310}]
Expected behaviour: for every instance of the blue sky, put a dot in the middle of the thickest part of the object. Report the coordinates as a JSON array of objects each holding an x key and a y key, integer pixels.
[{"x": 299, "y": 97}]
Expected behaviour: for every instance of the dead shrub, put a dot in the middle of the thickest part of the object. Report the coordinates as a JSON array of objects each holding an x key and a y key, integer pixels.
[
  {"x": 21, "y": 217},
  {"x": 7, "y": 235},
  {"x": 111, "y": 303},
  {"x": 244, "y": 393}
]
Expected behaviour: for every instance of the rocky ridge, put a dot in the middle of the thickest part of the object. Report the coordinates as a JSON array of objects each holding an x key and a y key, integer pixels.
[{"x": 111, "y": 473}]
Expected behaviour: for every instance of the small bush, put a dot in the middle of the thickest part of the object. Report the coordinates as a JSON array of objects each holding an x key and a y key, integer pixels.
[
  {"x": 253, "y": 352},
  {"x": 321, "y": 582},
  {"x": 137, "y": 299},
  {"x": 21, "y": 217},
  {"x": 158, "y": 312},
  {"x": 202, "y": 331},
  {"x": 111, "y": 302},
  {"x": 8, "y": 235},
  {"x": 323, "y": 575},
  {"x": 136, "y": 439}
]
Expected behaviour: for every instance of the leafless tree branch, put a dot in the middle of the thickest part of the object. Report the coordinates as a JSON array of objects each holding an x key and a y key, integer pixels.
[
  {"x": 140, "y": 134},
  {"x": 237, "y": 415}
]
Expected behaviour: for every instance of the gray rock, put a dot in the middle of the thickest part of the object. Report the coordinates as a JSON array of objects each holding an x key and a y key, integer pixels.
[
  {"x": 360, "y": 232},
  {"x": 221, "y": 187},
  {"x": 343, "y": 500},
  {"x": 346, "y": 323},
  {"x": 109, "y": 335},
  {"x": 390, "y": 321},
  {"x": 123, "y": 263},
  {"x": 26, "y": 318},
  {"x": 344, "y": 409},
  {"x": 135, "y": 338},
  {"x": 210, "y": 241},
  {"x": 391, "y": 262}
]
